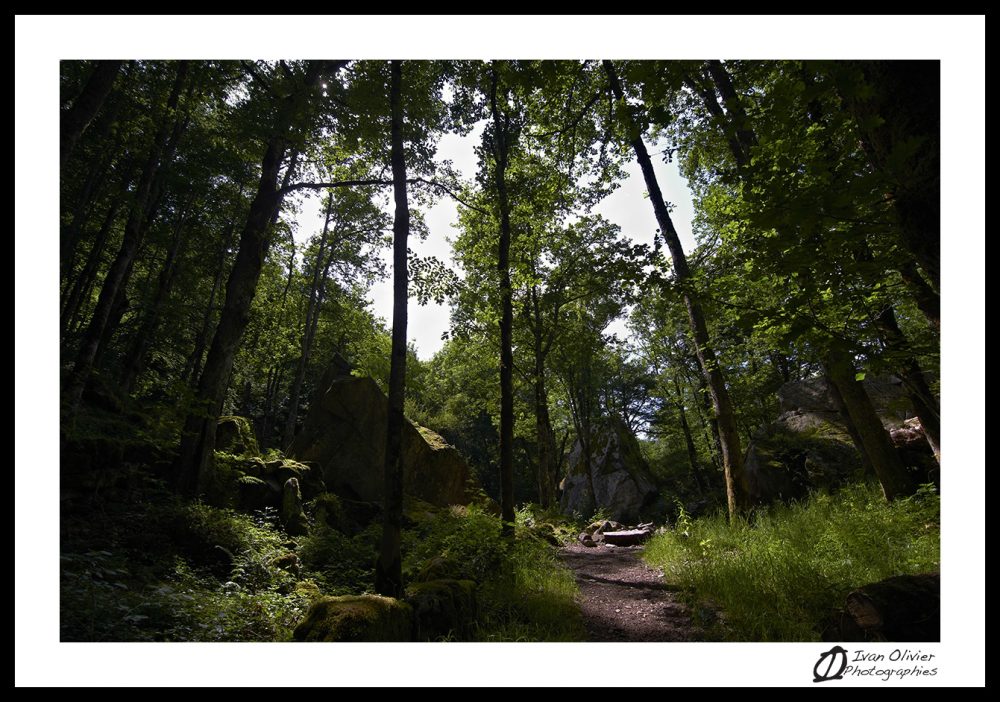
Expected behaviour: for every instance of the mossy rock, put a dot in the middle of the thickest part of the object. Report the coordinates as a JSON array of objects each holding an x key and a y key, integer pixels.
[
  {"x": 235, "y": 435},
  {"x": 443, "y": 608},
  {"x": 327, "y": 509},
  {"x": 437, "y": 568},
  {"x": 255, "y": 494},
  {"x": 356, "y": 618}
]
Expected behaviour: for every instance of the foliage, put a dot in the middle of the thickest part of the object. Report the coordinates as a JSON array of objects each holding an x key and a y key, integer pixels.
[
  {"x": 777, "y": 575},
  {"x": 525, "y": 594}
]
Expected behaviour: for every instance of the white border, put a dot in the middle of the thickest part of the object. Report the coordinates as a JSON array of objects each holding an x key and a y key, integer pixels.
[{"x": 41, "y": 41}]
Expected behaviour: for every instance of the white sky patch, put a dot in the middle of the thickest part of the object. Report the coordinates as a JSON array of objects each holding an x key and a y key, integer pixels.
[{"x": 628, "y": 207}]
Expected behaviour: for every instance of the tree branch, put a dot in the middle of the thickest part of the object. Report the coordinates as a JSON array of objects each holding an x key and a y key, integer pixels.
[{"x": 379, "y": 182}]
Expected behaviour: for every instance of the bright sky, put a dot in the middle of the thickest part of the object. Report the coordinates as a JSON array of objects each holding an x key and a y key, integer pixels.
[{"x": 627, "y": 207}]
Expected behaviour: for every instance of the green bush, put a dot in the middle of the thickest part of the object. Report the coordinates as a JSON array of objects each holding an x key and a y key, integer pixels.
[
  {"x": 777, "y": 575},
  {"x": 525, "y": 593}
]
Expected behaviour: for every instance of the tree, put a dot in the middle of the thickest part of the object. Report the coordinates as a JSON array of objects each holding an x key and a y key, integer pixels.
[{"x": 732, "y": 453}]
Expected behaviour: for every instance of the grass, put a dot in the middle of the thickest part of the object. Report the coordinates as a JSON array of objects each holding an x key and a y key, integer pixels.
[{"x": 777, "y": 575}]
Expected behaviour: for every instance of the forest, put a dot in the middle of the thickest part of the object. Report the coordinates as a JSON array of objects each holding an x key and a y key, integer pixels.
[{"x": 731, "y": 433}]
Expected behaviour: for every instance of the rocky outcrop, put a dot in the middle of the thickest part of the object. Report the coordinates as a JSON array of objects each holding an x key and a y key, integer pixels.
[
  {"x": 810, "y": 446},
  {"x": 622, "y": 485},
  {"x": 344, "y": 434}
]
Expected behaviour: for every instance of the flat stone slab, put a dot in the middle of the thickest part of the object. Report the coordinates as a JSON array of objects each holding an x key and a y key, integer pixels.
[{"x": 626, "y": 538}]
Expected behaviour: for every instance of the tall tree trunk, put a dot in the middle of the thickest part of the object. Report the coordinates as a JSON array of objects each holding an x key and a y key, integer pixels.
[
  {"x": 121, "y": 268},
  {"x": 309, "y": 330},
  {"x": 852, "y": 431},
  {"x": 192, "y": 367},
  {"x": 926, "y": 299},
  {"x": 75, "y": 120},
  {"x": 501, "y": 156},
  {"x": 82, "y": 282},
  {"x": 875, "y": 439},
  {"x": 135, "y": 357},
  {"x": 198, "y": 438},
  {"x": 689, "y": 440},
  {"x": 388, "y": 569},
  {"x": 544, "y": 436},
  {"x": 732, "y": 453}
]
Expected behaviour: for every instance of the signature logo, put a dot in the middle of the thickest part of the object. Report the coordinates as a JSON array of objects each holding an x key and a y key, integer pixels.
[{"x": 827, "y": 663}]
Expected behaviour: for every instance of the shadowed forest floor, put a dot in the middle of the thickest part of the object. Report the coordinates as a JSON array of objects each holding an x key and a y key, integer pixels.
[{"x": 623, "y": 599}]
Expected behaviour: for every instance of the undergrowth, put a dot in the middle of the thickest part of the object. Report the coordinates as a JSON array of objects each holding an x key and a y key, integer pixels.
[{"x": 779, "y": 574}]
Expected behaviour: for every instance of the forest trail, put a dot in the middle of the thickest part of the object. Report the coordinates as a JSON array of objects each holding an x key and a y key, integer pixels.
[{"x": 623, "y": 599}]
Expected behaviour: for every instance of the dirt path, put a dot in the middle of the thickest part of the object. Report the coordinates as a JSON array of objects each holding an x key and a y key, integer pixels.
[{"x": 623, "y": 599}]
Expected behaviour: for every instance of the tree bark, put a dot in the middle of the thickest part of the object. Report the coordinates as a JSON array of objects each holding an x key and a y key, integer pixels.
[
  {"x": 121, "y": 268},
  {"x": 501, "y": 155},
  {"x": 192, "y": 368},
  {"x": 82, "y": 282},
  {"x": 76, "y": 119},
  {"x": 135, "y": 357},
  {"x": 388, "y": 569},
  {"x": 874, "y": 438},
  {"x": 689, "y": 440},
  {"x": 925, "y": 405},
  {"x": 198, "y": 438},
  {"x": 309, "y": 330},
  {"x": 732, "y": 454}
]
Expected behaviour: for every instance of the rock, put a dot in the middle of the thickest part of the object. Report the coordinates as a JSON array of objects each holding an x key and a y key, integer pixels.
[
  {"x": 327, "y": 509},
  {"x": 356, "y": 618},
  {"x": 235, "y": 435},
  {"x": 900, "y": 608},
  {"x": 622, "y": 482},
  {"x": 344, "y": 434},
  {"x": 809, "y": 446},
  {"x": 585, "y": 539},
  {"x": 292, "y": 514},
  {"x": 442, "y": 608}
]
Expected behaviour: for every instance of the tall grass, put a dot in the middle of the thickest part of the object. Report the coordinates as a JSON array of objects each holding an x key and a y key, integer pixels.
[{"x": 777, "y": 575}]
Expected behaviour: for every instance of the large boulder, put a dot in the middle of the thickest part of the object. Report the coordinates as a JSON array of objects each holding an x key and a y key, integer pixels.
[
  {"x": 623, "y": 486},
  {"x": 356, "y": 618},
  {"x": 344, "y": 434},
  {"x": 809, "y": 445}
]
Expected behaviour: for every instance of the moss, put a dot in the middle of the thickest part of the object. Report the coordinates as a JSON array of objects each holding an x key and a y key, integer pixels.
[
  {"x": 437, "y": 568},
  {"x": 443, "y": 608},
  {"x": 327, "y": 508},
  {"x": 433, "y": 439},
  {"x": 235, "y": 435},
  {"x": 356, "y": 618}
]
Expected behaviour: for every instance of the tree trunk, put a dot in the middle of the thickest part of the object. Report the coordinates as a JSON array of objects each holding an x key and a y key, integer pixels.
[
  {"x": 689, "y": 440},
  {"x": 925, "y": 405},
  {"x": 309, "y": 330},
  {"x": 501, "y": 154},
  {"x": 732, "y": 453},
  {"x": 192, "y": 368},
  {"x": 544, "y": 436},
  {"x": 121, "y": 268},
  {"x": 75, "y": 120},
  {"x": 198, "y": 438},
  {"x": 838, "y": 402},
  {"x": 82, "y": 282},
  {"x": 875, "y": 439},
  {"x": 927, "y": 301},
  {"x": 388, "y": 569},
  {"x": 135, "y": 358}
]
